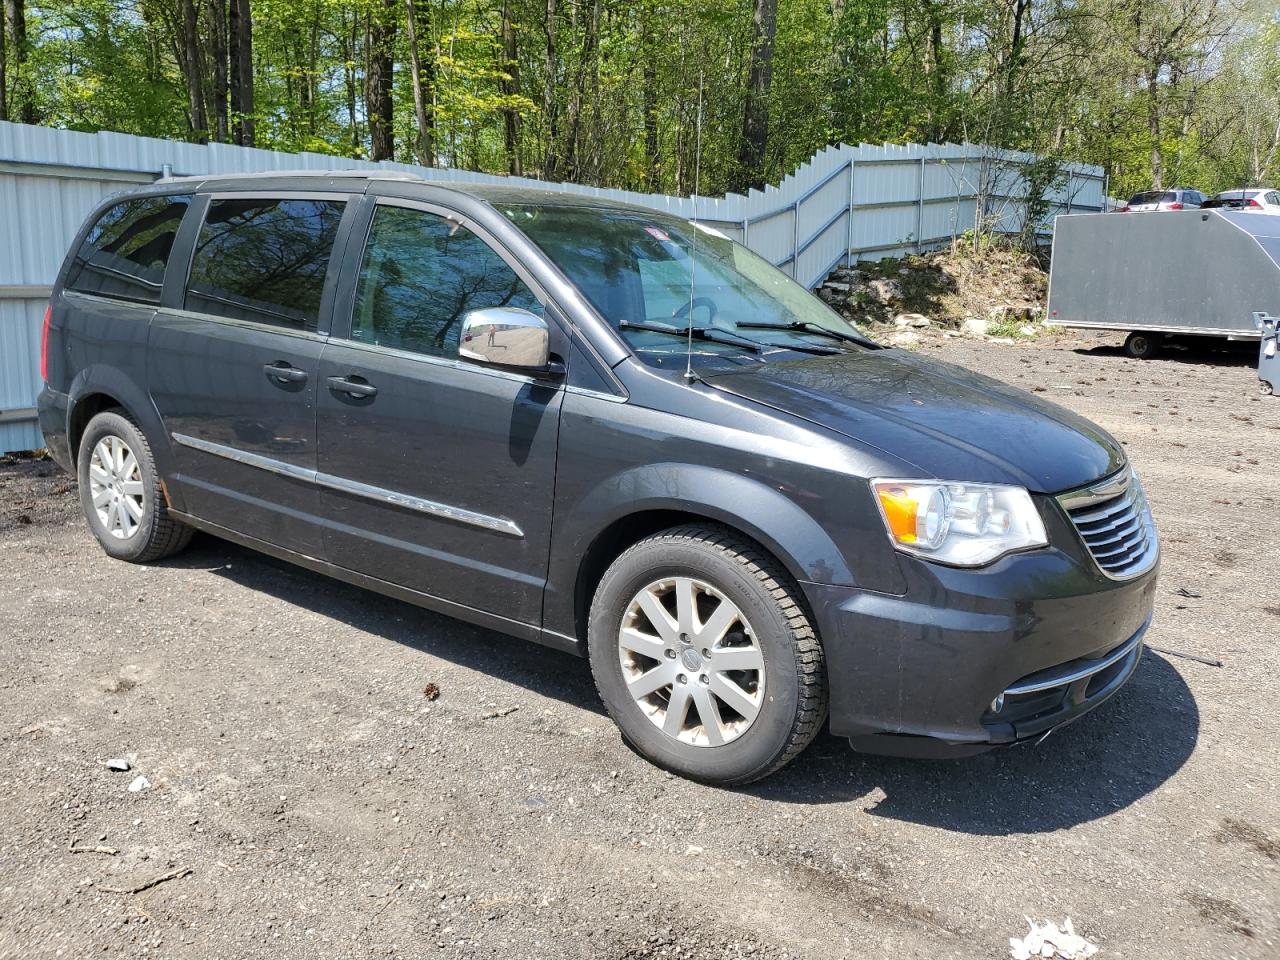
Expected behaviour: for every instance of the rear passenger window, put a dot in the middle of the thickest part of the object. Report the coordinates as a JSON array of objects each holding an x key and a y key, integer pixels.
[
  {"x": 124, "y": 254},
  {"x": 420, "y": 274},
  {"x": 264, "y": 260}
]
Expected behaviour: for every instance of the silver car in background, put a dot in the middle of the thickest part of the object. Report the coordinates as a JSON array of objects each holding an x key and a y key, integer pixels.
[{"x": 1175, "y": 198}]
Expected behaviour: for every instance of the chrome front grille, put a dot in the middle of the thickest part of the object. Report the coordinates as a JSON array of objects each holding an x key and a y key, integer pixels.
[{"x": 1114, "y": 521}]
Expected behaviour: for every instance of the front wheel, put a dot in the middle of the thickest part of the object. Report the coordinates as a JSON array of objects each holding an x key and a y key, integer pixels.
[
  {"x": 120, "y": 492},
  {"x": 705, "y": 657}
]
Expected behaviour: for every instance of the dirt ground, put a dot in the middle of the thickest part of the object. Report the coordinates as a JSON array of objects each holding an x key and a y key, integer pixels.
[{"x": 314, "y": 803}]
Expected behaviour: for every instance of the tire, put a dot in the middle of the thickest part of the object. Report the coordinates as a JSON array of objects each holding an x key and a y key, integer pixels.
[
  {"x": 1141, "y": 346},
  {"x": 1265, "y": 388},
  {"x": 769, "y": 655},
  {"x": 115, "y": 465}
]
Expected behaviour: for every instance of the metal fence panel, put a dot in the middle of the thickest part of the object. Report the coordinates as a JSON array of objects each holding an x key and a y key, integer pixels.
[{"x": 844, "y": 203}]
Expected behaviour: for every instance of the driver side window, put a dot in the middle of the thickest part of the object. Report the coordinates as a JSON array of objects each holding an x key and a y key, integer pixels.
[{"x": 420, "y": 274}]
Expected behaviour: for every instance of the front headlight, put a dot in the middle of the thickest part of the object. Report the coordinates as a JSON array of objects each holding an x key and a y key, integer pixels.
[{"x": 961, "y": 524}]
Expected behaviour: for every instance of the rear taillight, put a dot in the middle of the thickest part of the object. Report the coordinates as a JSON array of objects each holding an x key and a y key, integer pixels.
[
  {"x": 44, "y": 344},
  {"x": 1254, "y": 203},
  {"x": 1175, "y": 206},
  {"x": 1122, "y": 209}
]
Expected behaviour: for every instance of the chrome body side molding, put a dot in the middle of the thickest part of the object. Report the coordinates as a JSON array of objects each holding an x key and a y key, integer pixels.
[{"x": 499, "y": 525}]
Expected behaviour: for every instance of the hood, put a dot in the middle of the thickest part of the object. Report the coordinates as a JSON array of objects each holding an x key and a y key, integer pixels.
[{"x": 948, "y": 422}]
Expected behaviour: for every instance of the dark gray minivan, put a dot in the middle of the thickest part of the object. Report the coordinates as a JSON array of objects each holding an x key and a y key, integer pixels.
[{"x": 610, "y": 431}]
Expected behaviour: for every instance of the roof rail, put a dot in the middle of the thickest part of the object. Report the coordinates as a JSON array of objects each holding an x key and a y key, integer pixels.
[{"x": 356, "y": 173}]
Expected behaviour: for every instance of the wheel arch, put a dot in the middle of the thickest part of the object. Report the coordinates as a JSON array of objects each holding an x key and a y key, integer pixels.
[
  {"x": 101, "y": 387},
  {"x": 624, "y": 510},
  {"x": 84, "y": 409}
]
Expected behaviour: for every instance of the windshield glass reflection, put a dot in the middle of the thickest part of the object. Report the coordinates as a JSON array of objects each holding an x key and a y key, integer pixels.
[{"x": 637, "y": 267}]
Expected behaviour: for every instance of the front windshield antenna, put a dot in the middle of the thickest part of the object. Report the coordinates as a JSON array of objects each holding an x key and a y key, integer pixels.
[{"x": 693, "y": 246}]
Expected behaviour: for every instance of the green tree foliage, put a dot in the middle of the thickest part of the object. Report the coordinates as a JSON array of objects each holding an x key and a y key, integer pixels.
[{"x": 607, "y": 91}]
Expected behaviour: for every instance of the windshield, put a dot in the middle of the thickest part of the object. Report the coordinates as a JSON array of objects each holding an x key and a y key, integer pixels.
[
  {"x": 1154, "y": 196},
  {"x": 635, "y": 268}
]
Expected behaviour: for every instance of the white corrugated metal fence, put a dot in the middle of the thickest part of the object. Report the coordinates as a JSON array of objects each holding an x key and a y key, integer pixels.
[{"x": 846, "y": 203}]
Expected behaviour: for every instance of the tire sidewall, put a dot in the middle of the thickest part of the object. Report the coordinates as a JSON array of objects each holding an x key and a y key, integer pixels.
[
  {"x": 1141, "y": 346},
  {"x": 114, "y": 424},
  {"x": 767, "y": 738}
]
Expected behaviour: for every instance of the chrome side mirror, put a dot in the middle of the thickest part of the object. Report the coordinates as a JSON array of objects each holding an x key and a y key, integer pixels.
[{"x": 507, "y": 337}]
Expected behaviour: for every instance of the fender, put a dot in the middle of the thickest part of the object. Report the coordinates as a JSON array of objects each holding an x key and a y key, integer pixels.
[
  {"x": 779, "y": 525},
  {"x": 104, "y": 378}
]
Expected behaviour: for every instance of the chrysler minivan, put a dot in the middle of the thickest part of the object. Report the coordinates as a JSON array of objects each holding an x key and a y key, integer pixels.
[{"x": 607, "y": 430}]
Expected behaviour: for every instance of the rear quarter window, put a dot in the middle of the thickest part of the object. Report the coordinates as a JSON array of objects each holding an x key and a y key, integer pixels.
[
  {"x": 264, "y": 260},
  {"x": 125, "y": 252}
]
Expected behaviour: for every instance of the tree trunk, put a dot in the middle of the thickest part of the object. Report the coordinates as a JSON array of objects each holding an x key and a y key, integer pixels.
[
  {"x": 23, "y": 105},
  {"x": 1016, "y": 44},
  {"x": 649, "y": 97},
  {"x": 240, "y": 50},
  {"x": 352, "y": 40},
  {"x": 418, "y": 23},
  {"x": 313, "y": 76},
  {"x": 194, "y": 70},
  {"x": 511, "y": 88},
  {"x": 550, "y": 165},
  {"x": 1153, "y": 130},
  {"x": 586, "y": 60},
  {"x": 755, "y": 120},
  {"x": 379, "y": 54},
  {"x": 591, "y": 147},
  {"x": 935, "y": 70},
  {"x": 217, "y": 17},
  {"x": 4, "y": 70}
]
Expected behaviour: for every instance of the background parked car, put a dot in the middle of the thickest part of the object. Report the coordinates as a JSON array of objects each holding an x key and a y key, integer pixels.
[
  {"x": 1176, "y": 198},
  {"x": 1255, "y": 199}
]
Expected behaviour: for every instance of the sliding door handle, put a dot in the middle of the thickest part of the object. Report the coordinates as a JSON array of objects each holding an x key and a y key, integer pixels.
[{"x": 283, "y": 372}]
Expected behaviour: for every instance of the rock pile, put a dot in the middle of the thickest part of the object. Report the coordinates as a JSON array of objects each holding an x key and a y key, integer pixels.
[{"x": 998, "y": 294}]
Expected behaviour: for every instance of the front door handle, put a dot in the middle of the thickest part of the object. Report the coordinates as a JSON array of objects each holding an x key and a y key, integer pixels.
[
  {"x": 352, "y": 387},
  {"x": 283, "y": 372}
]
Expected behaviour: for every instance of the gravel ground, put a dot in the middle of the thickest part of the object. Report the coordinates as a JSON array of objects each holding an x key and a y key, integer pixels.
[{"x": 315, "y": 802}]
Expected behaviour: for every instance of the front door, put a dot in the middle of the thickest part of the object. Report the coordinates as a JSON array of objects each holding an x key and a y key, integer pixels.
[
  {"x": 436, "y": 473},
  {"x": 233, "y": 366}
]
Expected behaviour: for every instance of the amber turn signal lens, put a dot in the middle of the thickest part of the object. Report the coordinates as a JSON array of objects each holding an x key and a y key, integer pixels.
[{"x": 900, "y": 512}]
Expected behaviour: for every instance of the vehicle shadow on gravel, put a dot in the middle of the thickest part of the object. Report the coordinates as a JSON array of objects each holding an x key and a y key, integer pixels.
[
  {"x": 1104, "y": 762},
  {"x": 544, "y": 670},
  {"x": 1215, "y": 353}
]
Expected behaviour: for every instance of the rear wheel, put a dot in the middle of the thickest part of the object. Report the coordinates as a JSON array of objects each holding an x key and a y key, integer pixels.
[
  {"x": 120, "y": 492},
  {"x": 1141, "y": 346},
  {"x": 705, "y": 657},
  {"x": 1265, "y": 388}
]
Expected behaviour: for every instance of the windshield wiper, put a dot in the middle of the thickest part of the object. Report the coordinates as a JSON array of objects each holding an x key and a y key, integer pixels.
[
  {"x": 718, "y": 335},
  {"x": 701, "y": 333},
  {"x": 808, "y": 326}
]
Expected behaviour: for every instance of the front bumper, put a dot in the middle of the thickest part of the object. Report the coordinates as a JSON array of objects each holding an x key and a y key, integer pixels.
[{"x": 920, "y": 674}]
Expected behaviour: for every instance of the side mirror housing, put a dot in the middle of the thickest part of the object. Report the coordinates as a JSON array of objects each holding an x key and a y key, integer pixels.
[{"x": 509, "y": 337}]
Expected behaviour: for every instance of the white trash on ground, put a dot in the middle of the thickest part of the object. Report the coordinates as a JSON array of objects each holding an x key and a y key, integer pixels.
[{"x": 1050, "y": 940}]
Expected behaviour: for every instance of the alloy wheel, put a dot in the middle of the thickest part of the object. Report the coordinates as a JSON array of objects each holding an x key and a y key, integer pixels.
[
  {"x": 115, "y": 483},
  {"x": 691, "y": 661}
]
